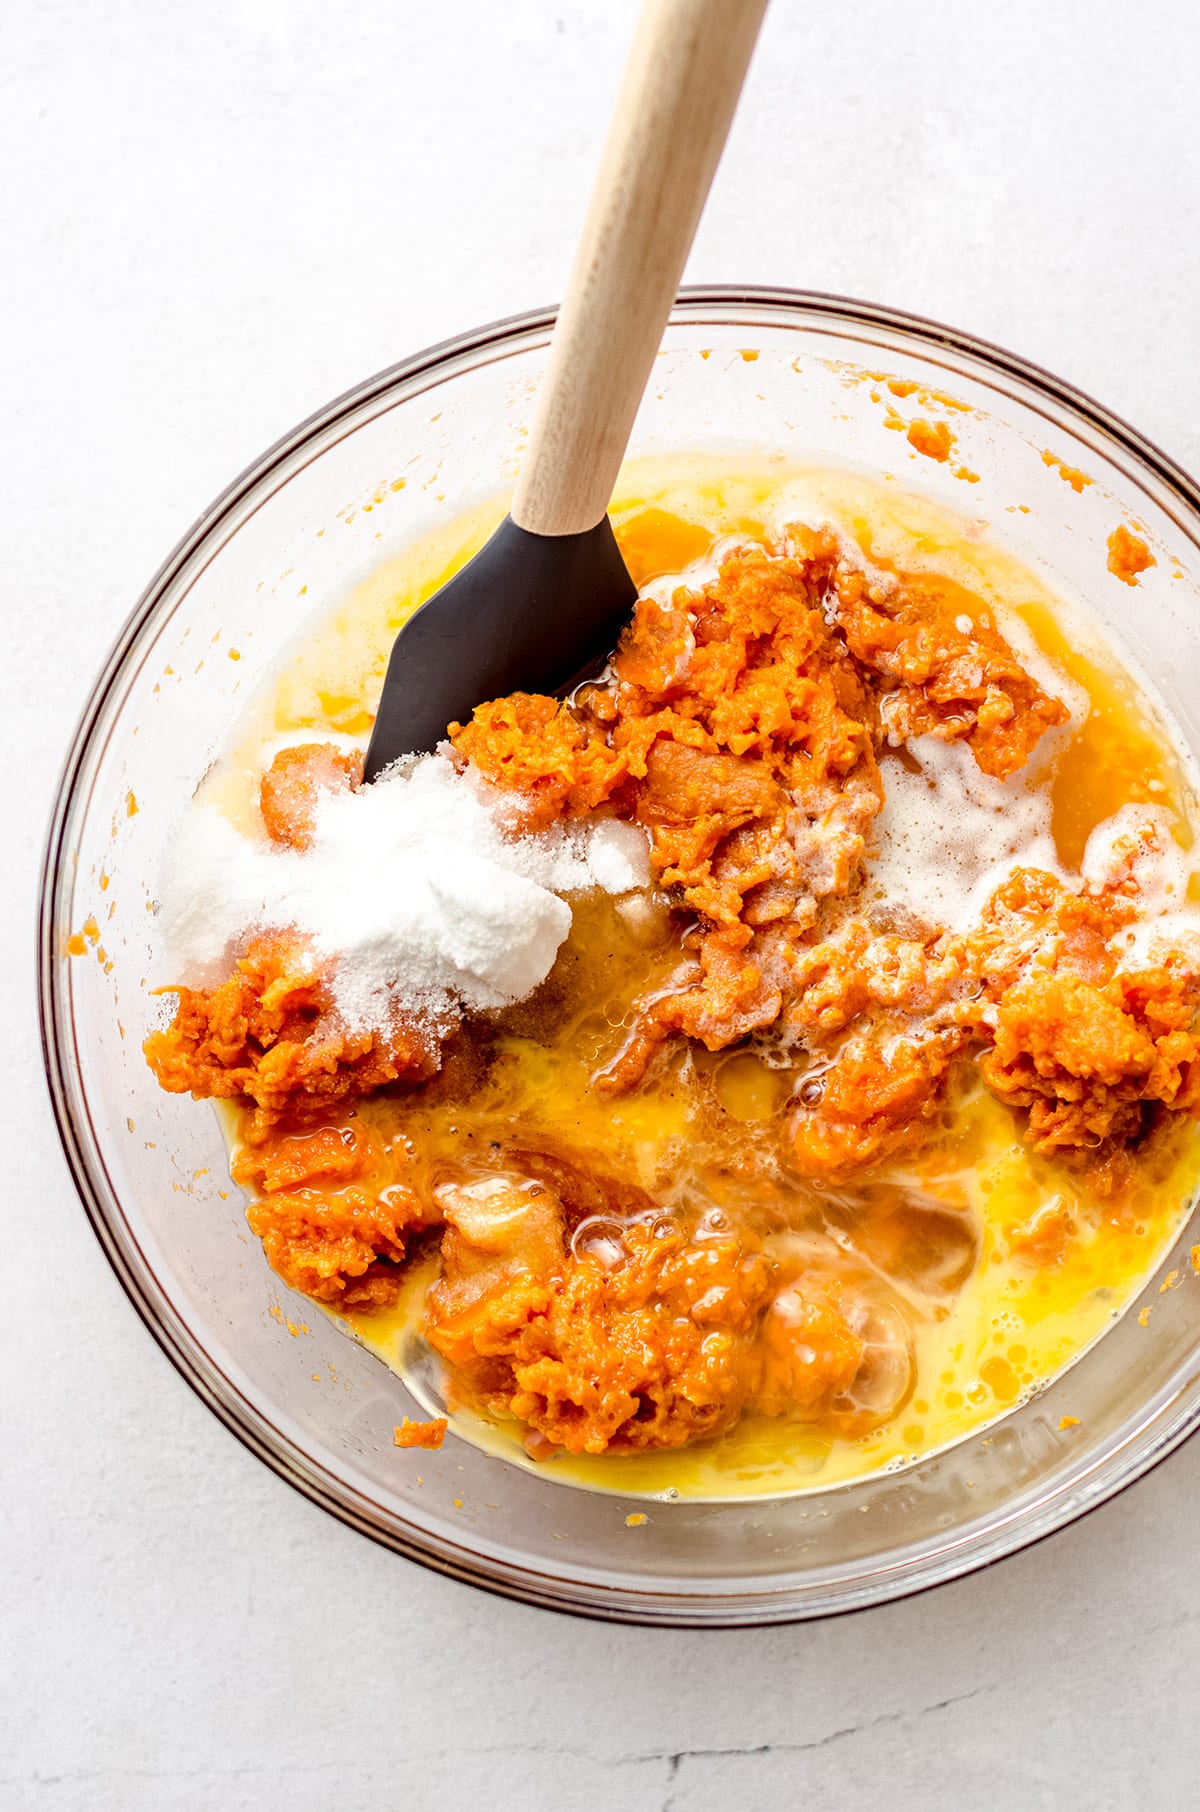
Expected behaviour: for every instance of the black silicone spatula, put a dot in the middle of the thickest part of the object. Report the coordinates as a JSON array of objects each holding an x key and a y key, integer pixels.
[{"x": 549, "y": 593}]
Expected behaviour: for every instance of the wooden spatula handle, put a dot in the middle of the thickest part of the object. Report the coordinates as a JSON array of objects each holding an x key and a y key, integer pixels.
[{"x": 680, "y": 89}]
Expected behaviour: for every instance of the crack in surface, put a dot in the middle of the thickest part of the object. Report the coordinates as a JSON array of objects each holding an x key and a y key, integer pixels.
[{"x": 674, "y": 1759}]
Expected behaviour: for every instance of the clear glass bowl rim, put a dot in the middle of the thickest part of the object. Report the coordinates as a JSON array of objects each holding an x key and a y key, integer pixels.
[{"x": 705, "y": 304}]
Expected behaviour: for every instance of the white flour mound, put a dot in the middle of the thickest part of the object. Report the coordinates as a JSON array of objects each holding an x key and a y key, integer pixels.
[
  {"x": 949, "y": 835},
  {"x": 411, "y": 889}
]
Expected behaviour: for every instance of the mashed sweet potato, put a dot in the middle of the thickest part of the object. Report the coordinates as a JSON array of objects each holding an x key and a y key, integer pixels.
[
  {"x": 738, "y": 726},
  {"x": 739, "y": 734},
  {"x": 270, "y": 1034},
  {"x": 295, "y": 781},
  {"x": 741, "y": 724},
  {"x": 1128, "y": 555},
  {"x": 334, "y": 1211},
  {"x": 644, "y": 1337}
]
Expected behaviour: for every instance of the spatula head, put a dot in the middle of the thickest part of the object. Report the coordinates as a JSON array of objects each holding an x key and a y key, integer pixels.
[{"x": 530, "y": 613}]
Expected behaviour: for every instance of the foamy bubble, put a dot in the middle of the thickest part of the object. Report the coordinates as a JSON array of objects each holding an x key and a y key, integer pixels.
[
  {"x": 1138, "y": 844},
  {"x": 949, "y": 835},
  {"x": 699, "y": 573},
  {"x": 1047, "y": 673}
]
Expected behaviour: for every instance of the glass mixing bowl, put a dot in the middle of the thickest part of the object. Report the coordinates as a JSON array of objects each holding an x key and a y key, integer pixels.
[{"x": 318, "y": 509}]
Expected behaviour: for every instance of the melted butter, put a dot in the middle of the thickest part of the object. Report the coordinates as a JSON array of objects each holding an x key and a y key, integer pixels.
[{"x": 991, "y": 1337}]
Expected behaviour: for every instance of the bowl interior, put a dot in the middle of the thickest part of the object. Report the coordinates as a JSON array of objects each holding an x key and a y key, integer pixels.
[{"x": 392, "y": 461}]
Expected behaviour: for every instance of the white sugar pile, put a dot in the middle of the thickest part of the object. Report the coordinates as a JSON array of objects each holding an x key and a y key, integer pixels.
[
  {"x": 411, "y": 889},
  {"x": 949, "y": 835}
]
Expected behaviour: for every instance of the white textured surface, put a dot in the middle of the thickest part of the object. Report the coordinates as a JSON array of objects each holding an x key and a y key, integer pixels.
[
  {"x": 415, "y": 889},
  {"x": 212, "y": 219}
]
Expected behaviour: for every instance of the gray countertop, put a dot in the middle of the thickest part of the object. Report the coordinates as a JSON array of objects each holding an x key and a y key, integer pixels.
[{"x": 213, "y": 219}]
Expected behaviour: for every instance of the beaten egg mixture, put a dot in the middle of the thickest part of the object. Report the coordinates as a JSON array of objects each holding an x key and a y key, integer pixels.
[{"x": 778, "y": 1178}]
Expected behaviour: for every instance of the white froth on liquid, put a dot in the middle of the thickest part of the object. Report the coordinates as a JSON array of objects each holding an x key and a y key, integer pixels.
[
  {"x": 413, "y": 890},
  {"x": 1138, "y": 843},
  {"x": 949, "y": 835},
  {"x": 705, "y": 570},
  {"x": 1048, "y": 675}
]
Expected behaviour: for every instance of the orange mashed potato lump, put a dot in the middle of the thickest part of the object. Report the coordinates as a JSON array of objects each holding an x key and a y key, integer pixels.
[
  {"x": 1128, "y": 555},
  {"x": 746, "y": 724},
  {"x": 429, "y": 1434}
]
